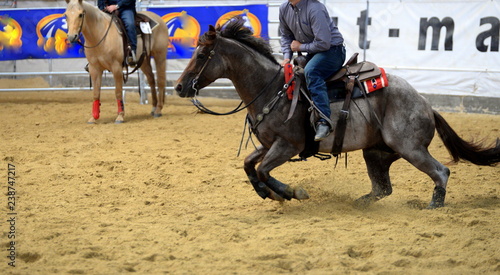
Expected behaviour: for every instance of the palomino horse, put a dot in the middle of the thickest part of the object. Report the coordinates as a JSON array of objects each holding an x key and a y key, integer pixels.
[
  {"x": 407, "y": 119},
  {"x": 104, "y": 51}
]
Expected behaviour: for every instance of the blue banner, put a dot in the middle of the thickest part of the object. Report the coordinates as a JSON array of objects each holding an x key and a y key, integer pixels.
[
  {"x": 41, "y": 33},
  {"x": 185, "y": 25}
]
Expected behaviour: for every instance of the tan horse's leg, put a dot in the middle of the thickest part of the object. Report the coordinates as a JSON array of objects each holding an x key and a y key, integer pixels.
[
  {"x": 96, "y": 77},
  {"x": 118, "y": 77},
  {"x": 148, "y": 71},
  {"x": 161, "y": 66}
]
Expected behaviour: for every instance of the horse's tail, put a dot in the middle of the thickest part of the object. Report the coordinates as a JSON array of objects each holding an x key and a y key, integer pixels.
[{"x": 461, "y": 149}]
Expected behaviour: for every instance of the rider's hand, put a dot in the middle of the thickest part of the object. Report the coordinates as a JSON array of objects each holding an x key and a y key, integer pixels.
[
  {"x": 111, "y": 8},
  {"x": 295, "y": 46},
  {"x": 286, "y": 61}
]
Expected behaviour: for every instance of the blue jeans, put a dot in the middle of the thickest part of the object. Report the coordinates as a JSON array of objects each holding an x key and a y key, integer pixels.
[
  {"x": 128, "y": 18},
  {"x": 320, "y": 66}
]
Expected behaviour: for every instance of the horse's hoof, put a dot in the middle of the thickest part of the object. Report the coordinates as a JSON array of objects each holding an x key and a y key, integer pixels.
[
  {"x": 91, "y": 121},
  {"x": 300, "y": 194},
  {"x": 434, "y": 205},
  {"x": 364, "y": 201},
  {"x": 120, "y": 118},
  {"x": 157, "y": 115}
]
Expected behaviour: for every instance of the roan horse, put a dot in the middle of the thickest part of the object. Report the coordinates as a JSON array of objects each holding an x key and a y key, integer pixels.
[
  {"x": 407, "y": 119},
  {"x": 104, "y": 51}
]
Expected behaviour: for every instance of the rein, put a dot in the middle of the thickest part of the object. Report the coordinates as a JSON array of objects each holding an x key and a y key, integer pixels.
[
  {"x": 204, "y": 109},
  {"x": 113, "y": 15}
]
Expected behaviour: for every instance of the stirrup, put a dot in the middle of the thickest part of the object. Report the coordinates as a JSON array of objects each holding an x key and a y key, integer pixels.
[{"x": 131, "y": 60}]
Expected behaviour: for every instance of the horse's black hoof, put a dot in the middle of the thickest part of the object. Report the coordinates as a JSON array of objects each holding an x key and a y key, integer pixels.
[
  {"x": 157, "y": 115},
  {"x": 437, "y": 198},
  {"x": 434, "y": 205},
  {"x": 364, "y": 201}
]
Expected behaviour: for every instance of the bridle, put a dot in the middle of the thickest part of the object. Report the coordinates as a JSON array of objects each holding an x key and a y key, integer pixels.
[
  {"x": 238, "y": 108},
  {"x": 113, "y": 15},
  {"x": 194, "y": 86}
]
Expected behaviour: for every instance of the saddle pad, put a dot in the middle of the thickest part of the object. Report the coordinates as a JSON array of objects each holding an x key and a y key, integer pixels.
[
  {"x": 141, "y": 17},
  {"x": 376, "y": 83},
  {"x": 337, "y": 92}
]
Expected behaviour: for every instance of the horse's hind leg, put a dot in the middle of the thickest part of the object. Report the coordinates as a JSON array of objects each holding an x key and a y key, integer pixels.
[
  {"x": 422, "y": 159},
  {"x": 161, "y": 79},
  {"x": 378, "y": 163},
  {"x": 147, "y": 69},
  {"x": 249, "y": 165}
]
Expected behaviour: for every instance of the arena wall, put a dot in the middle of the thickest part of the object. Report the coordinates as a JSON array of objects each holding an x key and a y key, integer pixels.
[{"x": 449, "y": 55}]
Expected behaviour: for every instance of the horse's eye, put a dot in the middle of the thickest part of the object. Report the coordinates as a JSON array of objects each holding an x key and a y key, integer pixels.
[
  {"x": 200, "y": 56},
  {"x": 81, "y": 15}
]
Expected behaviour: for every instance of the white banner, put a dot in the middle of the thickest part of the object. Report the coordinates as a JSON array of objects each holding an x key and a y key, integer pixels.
[{"x": 440, "y": 47}]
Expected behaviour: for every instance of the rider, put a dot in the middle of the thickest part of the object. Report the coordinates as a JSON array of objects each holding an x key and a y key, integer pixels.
[
  {"x": 126, "y": 9},
  {"x": 306, "y": 26}
]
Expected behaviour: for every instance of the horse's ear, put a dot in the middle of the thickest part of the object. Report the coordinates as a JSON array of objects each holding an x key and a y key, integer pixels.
[{"x": 212, "y": 33}]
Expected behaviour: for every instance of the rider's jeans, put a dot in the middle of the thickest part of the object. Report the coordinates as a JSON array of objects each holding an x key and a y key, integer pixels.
[
  {"x": 128, "y": 19},
  {"x": 320, "y": 66}
]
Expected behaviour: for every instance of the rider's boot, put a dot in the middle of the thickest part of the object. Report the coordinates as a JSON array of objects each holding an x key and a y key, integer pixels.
[
  {"x": 322, "y": 130},
  {"x": 131, "y": 59}
]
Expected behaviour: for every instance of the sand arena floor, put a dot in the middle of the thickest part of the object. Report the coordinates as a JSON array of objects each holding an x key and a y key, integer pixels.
[{"x": 169, "y": 196}]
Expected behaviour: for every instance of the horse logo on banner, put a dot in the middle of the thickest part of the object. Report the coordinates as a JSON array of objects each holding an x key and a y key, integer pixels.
[
  {"x": 251, "y": 20},
  {"x": 10, "y": 33},
  {"x": 183, "y": 30},
  {"x": 51, "y": 32}
]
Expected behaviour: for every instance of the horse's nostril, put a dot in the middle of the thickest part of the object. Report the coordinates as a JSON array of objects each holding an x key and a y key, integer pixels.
[{"x": 178, "y": 88}]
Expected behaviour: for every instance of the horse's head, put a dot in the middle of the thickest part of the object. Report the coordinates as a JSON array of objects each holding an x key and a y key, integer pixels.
[
  {"x": 230, "y": 51},
  {"x": 205, "y": 66},
  {"x": 75, "y": 14}
]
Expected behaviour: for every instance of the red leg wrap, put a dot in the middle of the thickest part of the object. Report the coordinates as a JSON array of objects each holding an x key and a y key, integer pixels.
[
  {"x": 121, "y": 107},
  {"x": 96, "y": 109}
]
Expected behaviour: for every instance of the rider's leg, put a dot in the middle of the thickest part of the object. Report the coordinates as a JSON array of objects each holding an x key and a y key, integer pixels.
[
  {"x": 320, "y": 66},
  {"x": 128, "y": 18}
]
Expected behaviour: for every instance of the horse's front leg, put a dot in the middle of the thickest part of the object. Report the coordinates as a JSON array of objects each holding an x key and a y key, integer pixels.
[
  {"x": 280, "y": 152},
  {"x": 96, "y": 77},
  {"x": 249, "y": 165},
  {"x": 148, "y": 71},
  {"x": 118, "y": 77}
]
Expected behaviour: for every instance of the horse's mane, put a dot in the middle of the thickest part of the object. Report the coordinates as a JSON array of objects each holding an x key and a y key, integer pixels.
[{"x": 235, "y": 29}]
